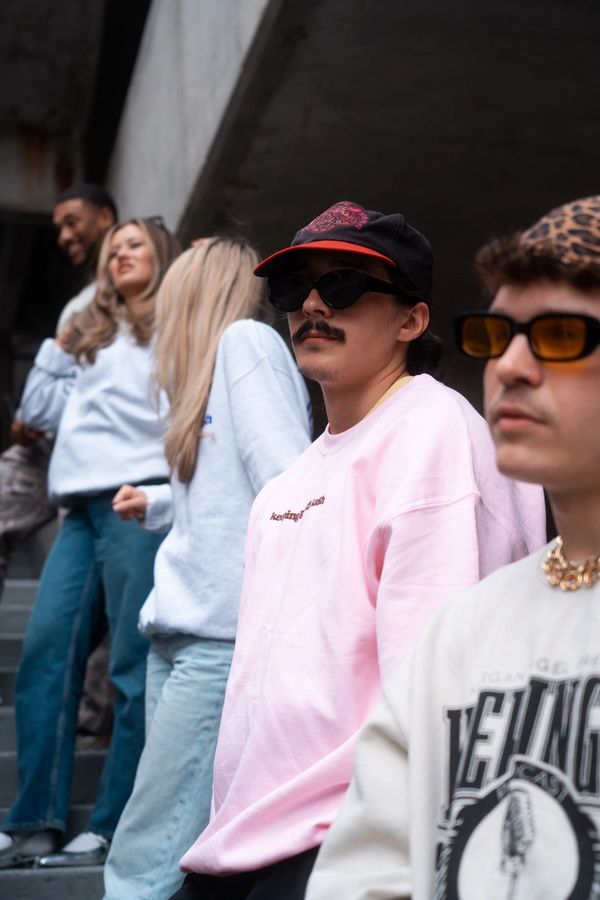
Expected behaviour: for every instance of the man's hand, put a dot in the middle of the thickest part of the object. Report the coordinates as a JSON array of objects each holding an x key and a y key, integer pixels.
[
  {"x": 24, "y": 435},
  {"x": 130, "y": 503}
]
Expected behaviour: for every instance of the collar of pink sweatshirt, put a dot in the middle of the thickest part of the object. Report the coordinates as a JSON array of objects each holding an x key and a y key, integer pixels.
[{"x": 349, "y": 553}]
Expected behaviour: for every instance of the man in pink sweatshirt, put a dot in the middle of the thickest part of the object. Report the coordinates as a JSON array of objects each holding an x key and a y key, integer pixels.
[{"x": 394, "y": 508}]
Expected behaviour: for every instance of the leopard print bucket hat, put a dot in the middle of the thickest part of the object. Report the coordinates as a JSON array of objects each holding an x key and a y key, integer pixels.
[{"x": 569, "y": 233}]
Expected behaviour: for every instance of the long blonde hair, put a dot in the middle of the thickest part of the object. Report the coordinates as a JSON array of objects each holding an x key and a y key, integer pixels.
[
  {"x": 96, "y": 326},
  {"x": 205, "y": 290}
]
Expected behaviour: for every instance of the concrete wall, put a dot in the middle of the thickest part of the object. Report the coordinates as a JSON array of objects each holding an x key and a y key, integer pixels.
[
  {"x": 35, "y": 167},
  {"x": 48, "y": 57},
  {"x": 470, "y": 118},
  {"x": 190, "y": 60}
]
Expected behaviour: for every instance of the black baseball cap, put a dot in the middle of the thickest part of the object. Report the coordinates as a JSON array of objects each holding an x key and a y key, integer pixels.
[{"x": 348, "y": 226}]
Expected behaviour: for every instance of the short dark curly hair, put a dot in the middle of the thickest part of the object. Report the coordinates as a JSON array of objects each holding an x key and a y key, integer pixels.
[
  {"x": 507, "y": 261},
  {"x": 564, "y": 245},
  {"x": 90, "y": 193}
]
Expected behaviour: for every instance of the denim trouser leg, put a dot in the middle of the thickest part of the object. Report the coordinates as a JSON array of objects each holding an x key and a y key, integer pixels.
[
  {"x": 170, "y": 804},
  {"x": 125, "y": 555},
  {"x": 94, "y": 553},
  {"x": 61, "y": 632}
]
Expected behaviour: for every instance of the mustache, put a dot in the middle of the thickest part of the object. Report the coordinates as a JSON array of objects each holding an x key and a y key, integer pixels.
[{"x": 321, "y": 327}]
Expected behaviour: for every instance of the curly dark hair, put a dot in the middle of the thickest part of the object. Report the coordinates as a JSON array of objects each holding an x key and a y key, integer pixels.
[
  {"x": 90, "y": 193},
  {"x": 509, "y": 261},
  {"x": 564, "y": 245}
]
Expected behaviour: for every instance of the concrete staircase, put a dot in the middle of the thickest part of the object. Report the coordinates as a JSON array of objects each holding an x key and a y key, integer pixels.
[{"x": 38, "y": 884}]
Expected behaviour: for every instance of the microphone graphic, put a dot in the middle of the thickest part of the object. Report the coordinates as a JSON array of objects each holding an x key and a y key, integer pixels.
[{"x": 518, "y": 834}]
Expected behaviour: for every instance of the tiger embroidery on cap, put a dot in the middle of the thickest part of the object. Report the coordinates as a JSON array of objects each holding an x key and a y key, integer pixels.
[
  {"x": 570, "y": 233},
  {"x": 345, "y": 214}
]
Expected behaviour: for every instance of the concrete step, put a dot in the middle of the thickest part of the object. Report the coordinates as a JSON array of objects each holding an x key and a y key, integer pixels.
[
  {"x": 8, "y": 733},
  {"x": 8, "y": 676},
  {"x": 10, "y": 649},
  {"x": 52, "y": 884},
  {"x": 8, "y": 737},
  {"x": 78, "y": 821},
  {"x": 20, "y": 591},
  {"x": 28, "y": 557},
  {"x": 86, "y": 776},
  {"x": 23, "y": 565},
  {"x": 14, "y": 617}
]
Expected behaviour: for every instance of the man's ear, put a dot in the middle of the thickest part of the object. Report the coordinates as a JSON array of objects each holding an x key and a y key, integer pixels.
[
  {"x": 106, "y": 218},
  {"x": 416, "y": 322}
]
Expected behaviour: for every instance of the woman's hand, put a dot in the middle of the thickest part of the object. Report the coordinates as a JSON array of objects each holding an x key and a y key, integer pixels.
[
  {"x": 130, "y": 503},
  {"x": 65, "y": 338}
]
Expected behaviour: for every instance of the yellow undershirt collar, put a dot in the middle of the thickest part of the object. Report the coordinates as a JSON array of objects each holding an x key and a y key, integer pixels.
[{"x": 399, "y": 383}]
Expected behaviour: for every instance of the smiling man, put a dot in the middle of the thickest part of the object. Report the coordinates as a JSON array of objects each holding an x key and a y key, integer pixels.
[
  {"x": 479, "y": 774},
  {"x": 82, "y": 216},
  {"x": 350, "y": 551}
]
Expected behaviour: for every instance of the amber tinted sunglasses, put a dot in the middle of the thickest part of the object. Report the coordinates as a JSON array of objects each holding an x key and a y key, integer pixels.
[{"x": 553, "y": 337}]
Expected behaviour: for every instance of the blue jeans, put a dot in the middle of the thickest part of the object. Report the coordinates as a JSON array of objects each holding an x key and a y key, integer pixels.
[
  {"x": 170, "y": 803},
  {"x": 94, "y": 555}
]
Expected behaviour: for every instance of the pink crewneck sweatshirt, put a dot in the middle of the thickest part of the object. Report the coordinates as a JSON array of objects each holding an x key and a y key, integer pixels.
[{"x": 349, "y": 553}]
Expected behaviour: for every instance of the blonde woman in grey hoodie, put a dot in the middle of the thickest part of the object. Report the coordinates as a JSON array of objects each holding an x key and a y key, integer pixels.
[{"x": 239, "y": 415}]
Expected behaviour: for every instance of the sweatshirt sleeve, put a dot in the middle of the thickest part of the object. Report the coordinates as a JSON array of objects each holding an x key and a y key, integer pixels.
[
  {"x": 425, "y": 556},
  {"x": 270, "y": 410},
  {"x": 48, "y": 387},
  {"x": 365, "y": 855},
  {"x": 159, "y": 512}
]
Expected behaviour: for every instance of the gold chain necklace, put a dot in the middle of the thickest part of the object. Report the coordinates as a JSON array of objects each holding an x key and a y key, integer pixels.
[{"x": 567, "y": 575}]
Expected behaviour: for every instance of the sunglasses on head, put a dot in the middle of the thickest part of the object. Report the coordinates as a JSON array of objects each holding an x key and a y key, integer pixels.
[
  {"x": 338, "y": 289},
  {"x": 552, "y": 337},
  {"x": 158, "y": 221}
]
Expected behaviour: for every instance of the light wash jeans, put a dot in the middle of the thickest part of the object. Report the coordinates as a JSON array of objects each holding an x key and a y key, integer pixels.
[
  {"x": 170, "y": 803},
  {"x": 99, "y": 568}
]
